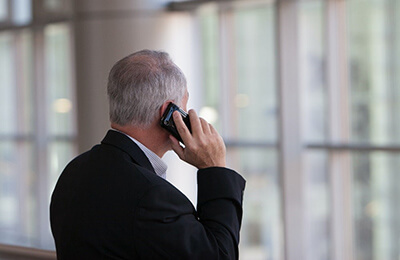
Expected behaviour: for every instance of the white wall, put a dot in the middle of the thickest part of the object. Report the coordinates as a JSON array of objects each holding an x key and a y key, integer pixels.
[{"x": 107, "y": 31}]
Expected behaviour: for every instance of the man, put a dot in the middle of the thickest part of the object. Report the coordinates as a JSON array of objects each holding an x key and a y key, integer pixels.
[{"x": 113, "y": 202}]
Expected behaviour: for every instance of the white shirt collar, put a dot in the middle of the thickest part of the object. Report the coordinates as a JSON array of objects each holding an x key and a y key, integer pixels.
[{"x": 158, "y": 164}]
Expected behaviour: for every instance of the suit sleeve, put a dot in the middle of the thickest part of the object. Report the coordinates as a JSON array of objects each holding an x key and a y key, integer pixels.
[{"x": 168, "y": 227}]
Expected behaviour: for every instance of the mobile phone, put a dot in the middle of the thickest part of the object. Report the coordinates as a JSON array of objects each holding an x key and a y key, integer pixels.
[{"x": 167, "y": 121}]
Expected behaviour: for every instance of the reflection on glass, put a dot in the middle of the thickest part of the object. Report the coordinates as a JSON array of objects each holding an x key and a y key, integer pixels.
[
  {"x": 256, "y": 100},
  {"x": 312, "y": 69},
  {"x": 17, "y": 201},
  {"x": 261, "y": 233},
  {"x": 376, "y": 196},
  {"x": 374, "y": 52},
  {"x": 58, "y": 64},
  {"x": 317, "y": 205}
]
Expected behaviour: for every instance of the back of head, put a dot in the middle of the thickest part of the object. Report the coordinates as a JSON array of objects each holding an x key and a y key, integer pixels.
[{"x": 139, "y": 84}]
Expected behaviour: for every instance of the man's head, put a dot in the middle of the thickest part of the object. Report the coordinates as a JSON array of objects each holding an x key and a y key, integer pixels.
[{"x": 140, "y": 84}]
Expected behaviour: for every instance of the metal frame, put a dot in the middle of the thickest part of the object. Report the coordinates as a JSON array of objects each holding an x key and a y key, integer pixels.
[
  {"x": 339, "y": 163},
  {"x": 18, "y": 252},
  {"x": 253, "y": 144},
  {"x": 291, "y": 165},
  {"x": 354, "y": 147},
  {"x": 192, "y": 5}
]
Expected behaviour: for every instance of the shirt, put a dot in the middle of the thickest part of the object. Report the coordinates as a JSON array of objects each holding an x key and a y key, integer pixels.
[{"x": 158, "y": 164}]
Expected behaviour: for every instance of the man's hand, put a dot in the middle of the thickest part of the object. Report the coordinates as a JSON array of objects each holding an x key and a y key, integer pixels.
[{"x": 204, "y": 147}]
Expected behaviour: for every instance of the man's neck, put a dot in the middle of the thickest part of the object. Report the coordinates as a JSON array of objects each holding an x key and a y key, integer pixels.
[{"x": 154, "y": 137}]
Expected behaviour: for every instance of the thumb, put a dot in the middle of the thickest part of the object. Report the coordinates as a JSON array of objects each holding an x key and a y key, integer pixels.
[{"x": 178, "y": 149}]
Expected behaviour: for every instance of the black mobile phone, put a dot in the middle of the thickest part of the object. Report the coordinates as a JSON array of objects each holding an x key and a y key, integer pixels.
[{"x": 168, "y": 123}]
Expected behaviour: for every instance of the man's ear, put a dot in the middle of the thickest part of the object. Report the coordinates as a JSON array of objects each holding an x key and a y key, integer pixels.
[{"x": 164, "y": 107}]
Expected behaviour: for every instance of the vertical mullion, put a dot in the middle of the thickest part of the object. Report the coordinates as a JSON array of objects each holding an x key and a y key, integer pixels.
[
  {"x": 23, "y": 190},
  {"x": 19, "y": 171},
  {"x": 9, "y": 19},
  {"x": 339, "y": 161},
  {"x": 19, "y": 80},
  {"x": 72, "y": 89},
  {"x": 41, "y": 131},
  {"x": 292, "y": 180},
  {"x": 41, "y": 149}
]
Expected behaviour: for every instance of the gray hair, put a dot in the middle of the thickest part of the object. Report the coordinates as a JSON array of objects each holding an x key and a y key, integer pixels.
[{"x": 139, "y": 84}]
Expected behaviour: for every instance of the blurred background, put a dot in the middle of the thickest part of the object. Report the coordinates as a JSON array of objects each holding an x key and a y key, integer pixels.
[{"x": 306, "y": 94}]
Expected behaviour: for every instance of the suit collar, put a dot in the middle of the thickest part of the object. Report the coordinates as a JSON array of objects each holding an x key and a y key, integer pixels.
[{"x": 121, "y": 141}]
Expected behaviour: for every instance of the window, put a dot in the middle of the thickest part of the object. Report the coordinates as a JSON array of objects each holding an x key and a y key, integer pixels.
[
  {"x": 37, "y": 108},
  {"x": 356, "y": 82},
  {"x": 346, "y": 73}
]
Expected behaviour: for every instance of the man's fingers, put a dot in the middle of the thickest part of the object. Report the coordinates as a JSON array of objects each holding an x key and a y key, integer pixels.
[
  {"x": 205, "y": 126},
  {"x": 212, "y": 129},
  {"x": 195, "y": 123},
  {"x": 176, "y": 147},
  {"x": 204, "y": 147},
  {"x": 181, "y": 127}
]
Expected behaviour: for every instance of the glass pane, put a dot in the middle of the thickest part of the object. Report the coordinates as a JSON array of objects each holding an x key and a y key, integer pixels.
[
  {"x": 16, "y": 96},
  {"x": 8, "y": 97},
  {"x": 60, "y": 153},
  {"x": 312, "y": 69},
  {"x": 254, "y": 107},
  {"x": 59, "y": 80},
  {"x": 376, "y": 195},
  {"x": 318, "y": 211},
  {"x": 22, "y": 11},
  {"x": 211, "y": 68},
  {"x": 25, "y": 97},
  {"x": 261, "y": 234},
  {"x": 374, "y": 52},
  {"x": 18, "y": 204}
]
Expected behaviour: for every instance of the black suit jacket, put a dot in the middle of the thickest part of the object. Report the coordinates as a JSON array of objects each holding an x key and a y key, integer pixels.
[{"x": 109, "y": 204}]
